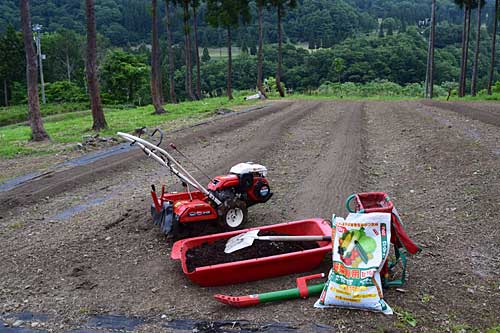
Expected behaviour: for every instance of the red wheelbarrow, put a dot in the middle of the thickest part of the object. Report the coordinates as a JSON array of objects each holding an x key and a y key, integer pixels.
[{"x": 258, "y": 268}]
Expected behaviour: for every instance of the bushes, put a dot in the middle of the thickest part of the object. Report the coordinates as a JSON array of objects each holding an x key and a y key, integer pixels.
[
  {"x": 378, "y": 88},
  {"x": 64, "y": 92}
]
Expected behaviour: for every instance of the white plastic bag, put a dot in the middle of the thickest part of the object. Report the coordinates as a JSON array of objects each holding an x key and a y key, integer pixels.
[{"x": 360, "y": 248}]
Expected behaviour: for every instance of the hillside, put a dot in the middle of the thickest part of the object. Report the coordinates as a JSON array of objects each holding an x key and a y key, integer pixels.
[{"x": 315, "y": 22}]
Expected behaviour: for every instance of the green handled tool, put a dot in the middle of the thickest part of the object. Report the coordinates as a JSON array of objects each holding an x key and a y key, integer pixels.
[{"x": 302, "y": 291}]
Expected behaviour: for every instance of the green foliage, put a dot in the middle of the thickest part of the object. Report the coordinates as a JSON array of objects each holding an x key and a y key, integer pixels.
[
  {"x": 65, "y": 92},
  {"x": 271, "y": 87},
  {"x": 390, "y": 24},
  {"x": 338, "y": 67},
  {"x": 406, "y": 318},
  {"x": 494, "y": 329},
  {"x": 253, "y": 49},
  {"x": 125, "y": 78},
  {"x": 227, "y": 13},
  {"x": 496, "y": 88},
  {"x": 18, "y": 93},
  {"x": 205, "y": 57},
  {"x": 12, "y": 60},
  {"x": 341, "y": 33},
  {"x": 375, "y": 89},
  {"x": 64, "y": 58},
  {"x": 244, "y": 47}
]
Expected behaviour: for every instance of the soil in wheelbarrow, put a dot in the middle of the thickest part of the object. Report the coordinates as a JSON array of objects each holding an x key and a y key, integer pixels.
[{"x": 213, "y": 253}]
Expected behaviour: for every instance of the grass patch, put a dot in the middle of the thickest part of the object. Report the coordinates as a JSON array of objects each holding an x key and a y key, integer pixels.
[
  {"x": 217, "y": 53},
  {"x": 478, "y": 98},
  {"x": 405, "y": 318},
  {"x": 70, "y": 127},
  {"x": 19, "y": 113}
]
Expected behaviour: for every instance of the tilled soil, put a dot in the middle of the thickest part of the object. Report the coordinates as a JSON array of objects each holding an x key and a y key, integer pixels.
[{"x": 79, "y": 243}]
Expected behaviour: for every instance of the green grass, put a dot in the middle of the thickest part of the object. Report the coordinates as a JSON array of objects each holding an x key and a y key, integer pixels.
[
  {"x": 69, "y": 128},
  {"x": 493, "y": 97},
  {"x": 19, "y": 113},
  {"x": 221, "y": 52}
]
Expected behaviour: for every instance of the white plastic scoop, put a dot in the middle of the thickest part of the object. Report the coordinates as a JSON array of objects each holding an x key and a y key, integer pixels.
[{"x": 246, "y": 239}]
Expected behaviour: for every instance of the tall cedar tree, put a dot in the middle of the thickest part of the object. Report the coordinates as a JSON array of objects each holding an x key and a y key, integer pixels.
[
  {"x": 228, "y": 14},
  {"x": 187, "y": 50},
  {"x": 493, "y": 48},
  {"x": 281, "y": 6},
  {"x": 260, "y": 72},
  {"x": 473, "y": 89},
  {"x": 194, "y": 5},
  {"x": 91, "y": 68},
  {"x": 156, "y": 95},
  {"x": 38, "y": 132},
  {"x": 466, "y": 5},
  {"x": 171, "y": 66}
]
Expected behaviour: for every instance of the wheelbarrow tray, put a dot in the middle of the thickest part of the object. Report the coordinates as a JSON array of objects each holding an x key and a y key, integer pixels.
[{"x": 258, "y": 268}]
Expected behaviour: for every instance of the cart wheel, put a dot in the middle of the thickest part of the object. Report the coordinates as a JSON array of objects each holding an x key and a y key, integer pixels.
[{"x": 233, "y": 215}]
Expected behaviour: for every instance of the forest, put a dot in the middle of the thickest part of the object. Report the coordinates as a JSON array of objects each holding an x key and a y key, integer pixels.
[{"x": 328, "y": 46}]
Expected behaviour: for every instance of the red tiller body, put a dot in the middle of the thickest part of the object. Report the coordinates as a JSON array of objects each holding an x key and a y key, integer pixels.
[
  {"x": 189, "y": 206},
  {"x": 258, "y": 268}
]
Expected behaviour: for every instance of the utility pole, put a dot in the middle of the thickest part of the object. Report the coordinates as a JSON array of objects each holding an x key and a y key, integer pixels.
[
  {"x": 426, "y": 23},
  {"x": 37, "y": 29}
]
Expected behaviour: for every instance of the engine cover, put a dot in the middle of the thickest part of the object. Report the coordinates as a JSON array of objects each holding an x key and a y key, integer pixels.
[{"x": 249, "y": 167}]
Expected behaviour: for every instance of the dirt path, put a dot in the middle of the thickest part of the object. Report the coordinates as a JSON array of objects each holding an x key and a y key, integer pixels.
[
  {"x": 485, "y": 112},
  {"x": 88, "y": 249}
]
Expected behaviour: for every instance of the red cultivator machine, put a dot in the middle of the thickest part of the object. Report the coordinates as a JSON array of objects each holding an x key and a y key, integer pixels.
[{"x": 225, "y": 200}]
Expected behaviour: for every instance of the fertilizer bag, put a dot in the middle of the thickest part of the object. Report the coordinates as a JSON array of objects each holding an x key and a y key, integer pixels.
[{"x": 360, "y": 248}]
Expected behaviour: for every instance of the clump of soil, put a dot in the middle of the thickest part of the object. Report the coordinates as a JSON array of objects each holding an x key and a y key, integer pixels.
[{"x": 213, "y": 253}]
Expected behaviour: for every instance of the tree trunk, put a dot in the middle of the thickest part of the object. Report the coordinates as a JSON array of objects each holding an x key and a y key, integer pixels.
[
  {"x": 197, "y": 55},
  {"x": 466, "y": 64},
  {"x": 91, "y": 68},
  {"x": 473, "y": 90},
  {"x": 280, "y": 56},
  {"x": 260, "y": 52},
  {"x": 462, "y": 61},
  {"x": 493, "y": 49},
  {"x": 229, "y": 65},
  {"x": 433, "y": 42},
  {"x": 38, "y": 132},
  {"x": 6, "y": 92},
  {"x": 187, "y": 51},
  {"x": 427, "y": 72},
  {"x": 171, "y": 67},
  {"x": 155, "y": 62},
  {"x": 68, "y": 68}
]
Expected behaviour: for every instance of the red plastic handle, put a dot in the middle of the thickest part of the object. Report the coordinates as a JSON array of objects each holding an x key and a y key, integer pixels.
[
  {"x": 239, "y": 301},
  {"x": 302, "y": 283}
]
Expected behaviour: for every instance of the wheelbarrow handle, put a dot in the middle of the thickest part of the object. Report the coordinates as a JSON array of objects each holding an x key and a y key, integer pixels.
[{"x": 295, "y": 238}]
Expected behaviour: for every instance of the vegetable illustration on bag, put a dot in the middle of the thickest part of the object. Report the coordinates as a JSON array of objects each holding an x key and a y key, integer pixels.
[
  {"x": 361, "y": 246},
  {"x": 356, "y": 247}
]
